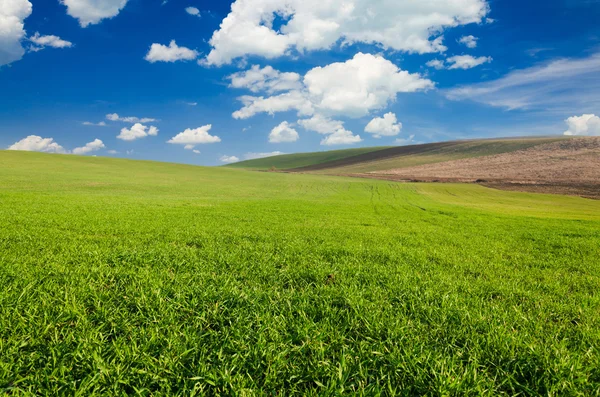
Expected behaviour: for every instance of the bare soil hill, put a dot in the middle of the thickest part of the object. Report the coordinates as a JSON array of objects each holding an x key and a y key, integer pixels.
[{"x": 570, "y": 166}]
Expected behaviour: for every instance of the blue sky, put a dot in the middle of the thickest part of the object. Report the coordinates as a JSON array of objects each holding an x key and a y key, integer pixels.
[{"x": 314, "y": 75}]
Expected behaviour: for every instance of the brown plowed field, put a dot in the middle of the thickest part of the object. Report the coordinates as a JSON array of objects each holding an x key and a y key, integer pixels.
[{"x": 565, "y": 167}]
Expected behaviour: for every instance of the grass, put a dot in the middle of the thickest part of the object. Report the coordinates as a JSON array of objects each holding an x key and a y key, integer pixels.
[
  {"x": 137, "y": 278},
  {"x": 460, "y": 150},
  {"x": 289, "y": 161}
]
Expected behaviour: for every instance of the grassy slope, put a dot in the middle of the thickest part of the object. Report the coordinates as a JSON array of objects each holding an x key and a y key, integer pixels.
[
  {"x": 459, "y": 150},
  {"x": 288, "y": 161},
  {"x": 122, "y": 277}
]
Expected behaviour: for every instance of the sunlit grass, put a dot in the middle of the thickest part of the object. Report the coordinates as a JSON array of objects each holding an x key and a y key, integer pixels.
[{"x": 121, "y": 277}]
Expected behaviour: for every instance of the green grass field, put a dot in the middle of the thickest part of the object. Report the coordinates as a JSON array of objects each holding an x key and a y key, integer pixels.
[
  {"x": 121, "y": 278},
  {"x": 289, "y": 161}
]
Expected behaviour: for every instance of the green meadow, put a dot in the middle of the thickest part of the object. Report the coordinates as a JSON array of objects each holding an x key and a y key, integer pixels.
[{"x": 126, "y": 277}]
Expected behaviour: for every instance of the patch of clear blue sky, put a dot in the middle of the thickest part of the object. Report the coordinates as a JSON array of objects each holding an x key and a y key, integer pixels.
[{"x": 51, "y": 92}]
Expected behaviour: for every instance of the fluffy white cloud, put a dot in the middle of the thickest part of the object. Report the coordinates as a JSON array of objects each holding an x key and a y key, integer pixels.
[
  {"x": 436, "y": 64},
  {"x": 341, "y": 137},
  {"x": 91, "y": 12},
  {"x": 93, "y": 146},
  {"x": 352, "y": 88},
  {"x": 137, "y": 131},
  {"x": 321, "y": 124},
  {"x": 193, "y": 11},
  {"x": 196, "y": 151},
  {"x": 170, "y": 53},
  {"x": 564, "y": 85},
  {"x": 387, "y": 125},
  {"x": 283, "y": 133},
  {"x": 89, "y": 123},
  {"x": 34, "y": 143},
  {"x": 254, "y": 156},
  {"x": 412, "y": 26},
  {"x": 189, "y": 147},
  {"x": 49, "y": 41},
  {"x": 12, "y": 15},
  {"x": 467, "y": 61},
  {"x": 587, "y": 124},
  {"x": 293, "y": 100},
  {"x": 362, "y": 84},
  {"x": 229, "y": 159},
  {"x": 195, "y": 136},
  {"x": 116, "y": 117},
  {"x": 266, "y": 79},
  {"x": 469, "y": 41}
]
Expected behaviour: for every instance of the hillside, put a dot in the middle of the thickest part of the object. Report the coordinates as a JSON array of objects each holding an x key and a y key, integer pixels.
[
  {"x": 289, "y": 161},
  {"x": 124, "y": 277},
  {"x": 407, "y": 156}
]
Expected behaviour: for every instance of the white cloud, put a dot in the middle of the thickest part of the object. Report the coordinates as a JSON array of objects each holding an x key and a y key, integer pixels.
[
  {"x": 321, "y": 124},
  {"x": 195, "y": 136},
  {"x": 116, "y": 117},
  {"x": 467, "y": 61},
  {"x": 89, "y": 123},
  {"x": 193, "y": 11},
  {"x": 112, "y": 151},
  {"x": 587, "y": 124},
  {"x": 412, "y": 26},
  {"x": 283, "y": 133},
  {"x": 469, "y": 41},
  {"x": 341, "y": 137},
  {"x": 387, "y": 125},
  {"x": 229, "y": 159},
  {"x": 352, "y": 88},
  {"x": 405, "y": 141},
  {"x": 293, "y": 100},
  {"x": 49, "y": 41},
  {"x": 254, "y": 156},
  {"x": 266, "y": 79},
  {"x": 91, "y": 12},
  {"x": 189, "y": 147},
  {"x": 137, "y": 131},
  {"x": 93, "y": 146},
  {"x": 12, "y": 16},
  {"x": 196, "y": 151},
  {"x": 34, "y": 143},
  {"x": 436, "y": 64},
  {"x": 170, "y": 53},
  {"x": 564, "y": 86}
]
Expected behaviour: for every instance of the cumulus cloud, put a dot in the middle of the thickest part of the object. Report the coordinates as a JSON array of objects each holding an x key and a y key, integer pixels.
[
  {"x": 352, "y": 88},
  {"x": 93, "y": 146},
  {"x": 170, "y": 53},
  {"x": 195, "y": 136},
  {"x": 193, "y": 11},
  {"x": 35, "y": 143},
  {"x": 254, "y": 156},
  {"x": 409, "y": 26},
  {"x": 137, "y": 131},
  {"x": 49, "y": 41},
  {"x": 467, "y": 61},
  {"x": 91, "y": 12},
  {"x": 436, "y": 64},
  {"x": 321, "y": 124},
  {"x": 387, "y": 125},
  {"x": 587, "y": 124},
  {"x": 12, "y": 16},
  {"x": 294, "y": 100},
  {"x": 229, "y": 159},
  {"x": 564, "y": 85},
  {"x": 266, "y": 79},
  {"x": 116, "y": 117},
  {"x": 341, "y": 137},
  {"x": 283, "y": 133},
  {"x": 196, "y": 151},
  {"x": 469, "y": 41}
]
